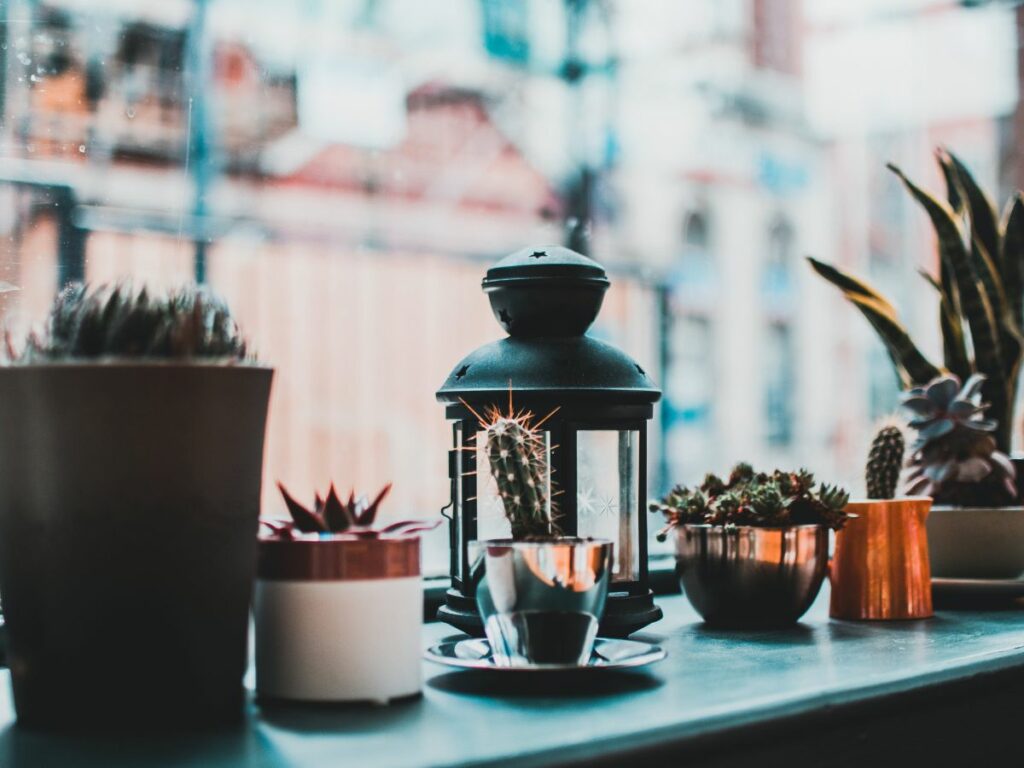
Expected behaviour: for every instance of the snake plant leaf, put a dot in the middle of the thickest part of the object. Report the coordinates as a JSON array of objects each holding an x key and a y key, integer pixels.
[
  {"x": 954, "y": 344},
  {"x": 847, "y": 283},
  {"x": 984, "y": 222},
  {"x": 1012, "y": 258},
  {"x": 954, "y": 190},
  {"x": 974, "y": 300},
  {"x": 912, "y": 366}
]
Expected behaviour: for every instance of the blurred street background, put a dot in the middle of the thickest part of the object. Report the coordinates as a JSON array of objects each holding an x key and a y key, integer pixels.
[{"x": 344, "y": 171}]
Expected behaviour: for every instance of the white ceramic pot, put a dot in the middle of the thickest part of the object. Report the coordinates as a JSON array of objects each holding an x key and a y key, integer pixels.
[
  {"x": 976, "y": 542},
  {"x": 338, "y": 619}
]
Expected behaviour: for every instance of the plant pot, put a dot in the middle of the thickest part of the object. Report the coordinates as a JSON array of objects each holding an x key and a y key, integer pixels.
[
  {"x": 880, "y": 567},
  {"x": 749, "y": 577},
  {"x": 129, "y": 501},
  {"x": 338, "y": 618},
  {"x": 541, "y": 601},
  {"x": 976, "y": 542}
]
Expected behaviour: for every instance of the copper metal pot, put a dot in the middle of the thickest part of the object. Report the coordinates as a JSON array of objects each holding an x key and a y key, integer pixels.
[
  {"x": 743, "y": 576},
  {"x": 880, "y": 569}
]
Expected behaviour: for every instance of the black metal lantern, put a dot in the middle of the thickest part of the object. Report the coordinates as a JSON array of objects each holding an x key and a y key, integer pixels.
[{"x": 546, "y": 299}]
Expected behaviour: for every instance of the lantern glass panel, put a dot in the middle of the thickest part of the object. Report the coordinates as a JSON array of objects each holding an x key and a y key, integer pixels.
[
  {"x": 608, "y": 495},
  {"x": 490, "y": 510},
  {"x": 457, "y": 507}
]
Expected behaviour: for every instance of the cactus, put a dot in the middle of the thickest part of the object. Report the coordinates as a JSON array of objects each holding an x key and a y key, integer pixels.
[
  {"x": 517, "y": 454},
  {"x": 755, "y": 498},
  {"x": 885, "y": 460},
  {"x": 118, "y": 321},
  {"x": 330, "y": 514},
  {"x": 518, "y": 458},
  {"x": 980, "y": 287}
]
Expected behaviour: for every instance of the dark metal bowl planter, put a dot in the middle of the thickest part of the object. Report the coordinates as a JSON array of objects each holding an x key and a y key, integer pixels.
[
  {"x": 752, "y": 549},
  {"x": 750, "y": 577}
]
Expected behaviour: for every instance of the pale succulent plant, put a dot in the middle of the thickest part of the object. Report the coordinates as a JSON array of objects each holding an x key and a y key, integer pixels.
[
  {"x": 955, "y": 458},
  {"x": 118, "y": 321},
  {"x": 980, "y": 286},
  {"x": 756, "y": 499}
]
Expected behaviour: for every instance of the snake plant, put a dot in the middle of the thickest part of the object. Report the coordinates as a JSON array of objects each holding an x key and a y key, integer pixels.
[{"x": 980, "y": 287}]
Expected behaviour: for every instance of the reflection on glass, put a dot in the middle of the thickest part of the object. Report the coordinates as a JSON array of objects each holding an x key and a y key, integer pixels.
[{"x": 607, "y": 493}]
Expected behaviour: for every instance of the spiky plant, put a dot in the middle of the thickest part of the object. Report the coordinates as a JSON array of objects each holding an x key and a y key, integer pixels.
[
  {"x": 885, "y": 462},
  {"x": 118, "y": 321},
  {"x": 330, "y": 514},
  {"x": 981, "y": 294},
  {"x": 517, "y": 454},
  {"x": 955, "y": 458},
  {"x": 754, "y": 498}
]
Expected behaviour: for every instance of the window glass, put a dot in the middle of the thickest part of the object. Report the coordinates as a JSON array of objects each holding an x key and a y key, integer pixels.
[{"x": 344, "y": 171}]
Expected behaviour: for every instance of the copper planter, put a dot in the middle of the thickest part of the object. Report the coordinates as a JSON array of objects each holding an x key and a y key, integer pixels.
[{"x": 880, "y": 569}]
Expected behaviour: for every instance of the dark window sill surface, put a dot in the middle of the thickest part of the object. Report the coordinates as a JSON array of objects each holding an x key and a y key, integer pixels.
[{"x": 822, "y": 693}]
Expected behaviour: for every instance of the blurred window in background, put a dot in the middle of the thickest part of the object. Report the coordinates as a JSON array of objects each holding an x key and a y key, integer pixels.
[
  {"x": 344, "y": 171},
  {"x": 778, "y": 294}
]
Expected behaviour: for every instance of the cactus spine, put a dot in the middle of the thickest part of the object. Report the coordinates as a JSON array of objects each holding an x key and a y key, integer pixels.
[{"x": 885, "y": 460}]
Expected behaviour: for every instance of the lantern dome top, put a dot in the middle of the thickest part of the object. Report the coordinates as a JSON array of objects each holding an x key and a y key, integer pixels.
[{"x": 546, "y": 298}]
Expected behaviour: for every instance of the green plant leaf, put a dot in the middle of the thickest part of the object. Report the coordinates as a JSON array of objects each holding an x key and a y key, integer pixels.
[
  {"x": 1012, "y": 257},
  {"x": 912, "y": 366},
  {"x": 847, "y": 283},
  {"x": 954, "y": 191},
  {"x": 984, "y": 222},
  {"x": 976, "y": 306},
  {"x": 974, "y": 300},
  {"x": 954, "y": 344}
]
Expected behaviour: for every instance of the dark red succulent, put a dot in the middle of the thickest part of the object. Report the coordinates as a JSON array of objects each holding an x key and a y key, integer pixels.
[{"x": 331, "y": 515}]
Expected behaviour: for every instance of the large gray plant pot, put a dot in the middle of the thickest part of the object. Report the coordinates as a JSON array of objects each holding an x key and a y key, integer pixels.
[
  {"x": 976, "y": 542},
  {"x": 129, "y": 503}
]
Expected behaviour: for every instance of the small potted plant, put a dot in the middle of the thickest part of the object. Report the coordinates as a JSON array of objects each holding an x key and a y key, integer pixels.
[
  {"x": 976, "y": 528},
  {"x": 976, "y": 532},
  {"x": 540, "y": 594},
  {"x": 752, "y": 550},
  {"x": 339, "y": 603},
  {"x": 131, "y": 441},
  {"x": 880, "y": 569}
]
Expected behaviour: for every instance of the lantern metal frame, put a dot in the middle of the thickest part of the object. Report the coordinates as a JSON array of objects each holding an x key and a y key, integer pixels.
[{"x": 546, "y": 302}]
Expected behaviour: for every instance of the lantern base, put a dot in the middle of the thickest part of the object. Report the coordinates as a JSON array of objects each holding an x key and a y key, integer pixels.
[{"x": 624, "y": 614}]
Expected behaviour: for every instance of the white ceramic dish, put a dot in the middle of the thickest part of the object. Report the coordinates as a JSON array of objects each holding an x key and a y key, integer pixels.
[{"x": 608, "y": 654}]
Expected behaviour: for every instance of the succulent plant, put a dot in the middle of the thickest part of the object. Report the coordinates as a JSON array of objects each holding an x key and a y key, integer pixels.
[
  {"x": 330, "y": 515},
  {"x": 955, "y": 458},
  {"x": 755, "y": 498},
  {"x": 885, "y": 462},
  {"x": 118, "y": 321},
  {"x": 517, "y": 454},
  {"x": 980, "y": 288}
]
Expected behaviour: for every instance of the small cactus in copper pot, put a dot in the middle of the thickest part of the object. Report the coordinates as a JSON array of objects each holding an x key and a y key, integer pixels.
[{"x": 885, "y": 461}]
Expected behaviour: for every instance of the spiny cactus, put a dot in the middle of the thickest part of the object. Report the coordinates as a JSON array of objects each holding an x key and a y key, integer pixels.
[
  {"x": 331, "y": 515},
  {"x": 885, "y": 461},
  {"x": 517, "y": 454},
  {"x": 756, "y": 499},
  {"x": 955, "y": 458},
  {"x": 118, "y": 321}
]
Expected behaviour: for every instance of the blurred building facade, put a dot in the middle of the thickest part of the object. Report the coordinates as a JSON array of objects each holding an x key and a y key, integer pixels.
[{"x": 343, "y": 172}]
